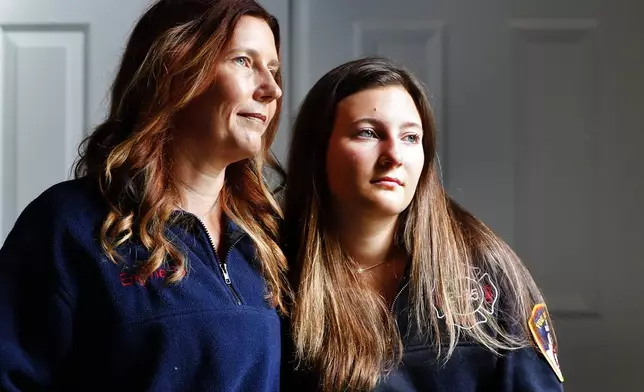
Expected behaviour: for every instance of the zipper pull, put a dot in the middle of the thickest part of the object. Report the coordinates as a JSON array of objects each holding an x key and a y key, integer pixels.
[{"x": 224, "y": 270}]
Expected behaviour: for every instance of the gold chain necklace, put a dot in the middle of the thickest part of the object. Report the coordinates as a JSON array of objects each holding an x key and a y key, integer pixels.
[{"x": 365, "y": 269}]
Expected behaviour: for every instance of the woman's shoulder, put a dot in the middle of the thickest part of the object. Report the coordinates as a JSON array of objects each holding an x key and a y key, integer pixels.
[
  {"x": 67, "y": 201},
  {"x": 52, "y": 232},
  {"x": 69, "y": 209}
]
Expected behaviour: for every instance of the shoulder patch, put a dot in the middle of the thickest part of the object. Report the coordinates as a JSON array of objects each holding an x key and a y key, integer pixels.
[{"x": 541, "y": 328}]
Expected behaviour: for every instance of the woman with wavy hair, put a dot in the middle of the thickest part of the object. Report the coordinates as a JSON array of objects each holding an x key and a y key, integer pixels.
[
  {"x": 157, "y": 267},
  {"x": 398, "y": 288}
]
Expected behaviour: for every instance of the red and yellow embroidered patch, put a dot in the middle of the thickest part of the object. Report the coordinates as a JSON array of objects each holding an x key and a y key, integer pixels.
[{"x": 541, "y": 328}]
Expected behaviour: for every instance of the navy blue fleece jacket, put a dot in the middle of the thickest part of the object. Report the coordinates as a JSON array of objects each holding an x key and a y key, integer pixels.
[
  {"x": 471, "y": 368},
  {"x": 72, "y": 320}
]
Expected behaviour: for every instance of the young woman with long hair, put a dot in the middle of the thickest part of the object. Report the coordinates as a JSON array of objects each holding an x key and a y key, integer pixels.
[{"x": 398, "y": 288}]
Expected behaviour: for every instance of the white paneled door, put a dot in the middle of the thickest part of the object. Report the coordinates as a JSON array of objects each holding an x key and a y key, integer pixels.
[
  {"x": 57, "y": 60},
  {"x": 539, "y": 105}
]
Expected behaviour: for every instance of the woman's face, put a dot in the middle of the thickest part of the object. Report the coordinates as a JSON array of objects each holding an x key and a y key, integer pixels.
[
  {"x": 375, "y": 155},
  {"x": 228, "y": 121}
]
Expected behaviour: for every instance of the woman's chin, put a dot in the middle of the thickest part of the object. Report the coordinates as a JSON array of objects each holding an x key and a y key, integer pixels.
[
  {"x": 387, "y": 206},
  {"x": 246, "y": 149}
]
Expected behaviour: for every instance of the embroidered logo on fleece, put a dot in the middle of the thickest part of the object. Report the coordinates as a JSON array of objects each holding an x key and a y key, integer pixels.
[
  {"x": 127, "y": 270},
  {"x": 541, "y": 328},
  {"x": 484, "y": 295}
]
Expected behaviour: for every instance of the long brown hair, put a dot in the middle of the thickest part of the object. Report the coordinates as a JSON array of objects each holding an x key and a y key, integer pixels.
[
  {"x": 341, "y": 326},
  {"x": 168, "y": 61}
]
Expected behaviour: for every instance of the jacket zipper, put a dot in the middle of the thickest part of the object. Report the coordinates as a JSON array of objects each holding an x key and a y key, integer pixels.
[
  {"x": 224, "y": 270},
  {"x": 223, "y": 267}
]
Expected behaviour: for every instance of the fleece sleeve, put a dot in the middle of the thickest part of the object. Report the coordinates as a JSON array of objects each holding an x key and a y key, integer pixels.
[
  {"x": 35, "y": 308},
  {"x": 526, "y": 370}
]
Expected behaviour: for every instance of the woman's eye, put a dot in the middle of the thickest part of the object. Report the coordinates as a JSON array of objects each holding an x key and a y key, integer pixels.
[
  {"x": 412, "y": 138},
  {"x": 367, "y": 133},
  {"x": 242, "y": 60}
]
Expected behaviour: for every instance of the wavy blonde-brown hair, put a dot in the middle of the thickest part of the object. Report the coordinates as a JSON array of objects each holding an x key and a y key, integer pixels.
[
  {"x": 343, "y": 328},
  {"x": 167, "y": 63}
]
